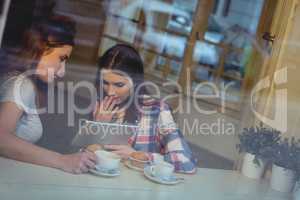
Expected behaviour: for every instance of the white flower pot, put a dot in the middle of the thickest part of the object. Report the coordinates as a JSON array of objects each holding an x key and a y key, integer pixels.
[
  {"x": 296, "y": 195},
  {"x": 251, "y": 169},
  {"x": 282, "y": 180}
]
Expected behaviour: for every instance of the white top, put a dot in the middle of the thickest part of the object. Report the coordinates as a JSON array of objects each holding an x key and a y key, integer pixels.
[
  {"x": 26, "y": 181},
  {"x": 21, "y": 91}
]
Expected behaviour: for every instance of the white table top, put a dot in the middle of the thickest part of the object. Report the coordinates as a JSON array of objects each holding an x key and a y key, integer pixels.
[{"x": 25, "y": 181}]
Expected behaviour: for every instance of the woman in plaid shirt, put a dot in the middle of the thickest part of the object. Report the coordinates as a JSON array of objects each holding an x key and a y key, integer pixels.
[{"x": 122, "y": 99}]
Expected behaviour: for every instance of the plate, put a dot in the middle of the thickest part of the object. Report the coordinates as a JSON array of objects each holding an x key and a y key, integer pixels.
[
  {"x": 130, "y": 166},
  {"x": 173, "y": 180},
  {"x": 106, "y": 173}
]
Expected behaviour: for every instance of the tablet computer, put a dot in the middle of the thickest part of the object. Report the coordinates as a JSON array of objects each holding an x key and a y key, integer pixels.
[{"x": 91, "y": 132}]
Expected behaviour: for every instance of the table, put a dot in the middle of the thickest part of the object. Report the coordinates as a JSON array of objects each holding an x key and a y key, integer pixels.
[{"x": 29, "y": 182}]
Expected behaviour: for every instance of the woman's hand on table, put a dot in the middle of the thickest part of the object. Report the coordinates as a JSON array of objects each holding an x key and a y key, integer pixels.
[
  {"x": 122, "y": 150},
  {"x": 105, "y": 110},
  {"x": 79, "y": 162}
]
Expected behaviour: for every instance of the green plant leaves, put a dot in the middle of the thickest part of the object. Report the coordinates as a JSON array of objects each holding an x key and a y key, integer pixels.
[{"x": 255, "y": 140}]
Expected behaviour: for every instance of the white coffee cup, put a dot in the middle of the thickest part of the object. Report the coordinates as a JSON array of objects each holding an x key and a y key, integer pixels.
[
  {"x": 107, "y": 160},
  {"x": 162, "y": 169}
]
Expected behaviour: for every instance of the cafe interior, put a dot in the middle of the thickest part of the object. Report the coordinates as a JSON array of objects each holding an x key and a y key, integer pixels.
[{"x": 227, "y": 69}]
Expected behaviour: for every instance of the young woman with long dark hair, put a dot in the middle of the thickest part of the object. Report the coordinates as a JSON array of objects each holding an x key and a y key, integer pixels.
[
  {"x": 46, "y": 48},
  {"x": 123, "y": 99}
]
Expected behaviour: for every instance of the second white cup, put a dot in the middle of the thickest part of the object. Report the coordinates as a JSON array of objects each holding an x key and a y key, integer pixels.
[{"x": 162, "y": 169}]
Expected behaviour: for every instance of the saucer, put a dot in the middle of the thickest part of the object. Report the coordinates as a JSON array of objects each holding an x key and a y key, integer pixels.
[
  {"x": 105, "y": 172},
  {"x": 172, "y": 180}
]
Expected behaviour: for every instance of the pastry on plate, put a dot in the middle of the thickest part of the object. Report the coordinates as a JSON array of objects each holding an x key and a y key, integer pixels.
[
  {"x": 94, "y": 147},
  {"x": 138, "y": 159}
]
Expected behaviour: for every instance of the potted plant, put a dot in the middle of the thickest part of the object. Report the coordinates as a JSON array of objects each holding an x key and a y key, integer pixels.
[
  {"x": 285, "y": 168},
  {"x": 297, "y": 187},
  {"x": 253, "y": 141}
]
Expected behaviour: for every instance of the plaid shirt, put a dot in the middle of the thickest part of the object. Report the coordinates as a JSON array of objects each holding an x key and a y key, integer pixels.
[{"x": 158, "y": 135}]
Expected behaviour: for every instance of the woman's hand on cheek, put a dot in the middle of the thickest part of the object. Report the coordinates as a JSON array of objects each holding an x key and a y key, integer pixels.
[
  {"x": 105, "y": 110},
  {"x": 122, "y": 150}
]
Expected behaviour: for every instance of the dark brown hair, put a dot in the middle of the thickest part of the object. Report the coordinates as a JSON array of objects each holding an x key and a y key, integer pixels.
[
  {"x": 127, "y": 59},
  {"x": 41, "y": 38},
  {"x": 44, "y": 35}
]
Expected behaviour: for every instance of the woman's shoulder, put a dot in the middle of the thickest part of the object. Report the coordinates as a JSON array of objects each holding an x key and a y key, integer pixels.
[
  {"x": 15, "y": 81},
  {"x": 17, "y": 88}
]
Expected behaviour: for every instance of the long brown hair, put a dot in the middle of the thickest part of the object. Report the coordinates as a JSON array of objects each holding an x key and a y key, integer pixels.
[
  {"x": 44, "y": 35},
  {"x": 41, "y": 38},
  {"x": 124, "y": 58}
]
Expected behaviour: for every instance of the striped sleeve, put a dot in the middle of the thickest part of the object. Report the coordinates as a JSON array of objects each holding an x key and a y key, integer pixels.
[{"x": 175, "y": 148}]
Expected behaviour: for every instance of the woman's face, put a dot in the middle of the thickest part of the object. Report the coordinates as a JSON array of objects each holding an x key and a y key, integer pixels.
[
  {"x": 52, "y": 63},
  {"x": 117, "y": 85}
]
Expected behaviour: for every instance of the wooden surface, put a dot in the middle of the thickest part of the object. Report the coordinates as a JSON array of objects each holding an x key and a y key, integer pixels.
[{"x": 25, "y": 181}]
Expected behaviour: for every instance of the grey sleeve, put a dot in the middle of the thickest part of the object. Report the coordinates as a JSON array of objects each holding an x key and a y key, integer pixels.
[{"x": 19, "y": 90}]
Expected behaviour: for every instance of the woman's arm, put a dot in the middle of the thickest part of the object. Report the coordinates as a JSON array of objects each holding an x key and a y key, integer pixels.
[
  {"x": 15, "y": 148},
  {"x": 174, "y": 147},
  {"x": 178, "y": 154}
]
